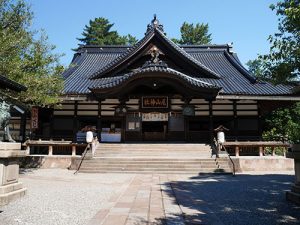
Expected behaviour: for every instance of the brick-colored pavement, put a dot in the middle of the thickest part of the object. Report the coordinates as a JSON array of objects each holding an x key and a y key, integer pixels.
[
  {"x": 59, "y": 197},
  {"x": 139, "y": 202},
  {"x": 147, "y": 199},
  {"x": 184, "y": 199}
]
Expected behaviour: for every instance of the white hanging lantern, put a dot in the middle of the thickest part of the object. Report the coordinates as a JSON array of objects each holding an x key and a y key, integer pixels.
[
  {"x": 89, "y": 137},
  {"x": 221, "y": 137}
]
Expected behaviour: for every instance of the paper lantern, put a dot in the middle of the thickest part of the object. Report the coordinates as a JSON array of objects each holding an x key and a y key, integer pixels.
[{"x": 89, "y": 137}]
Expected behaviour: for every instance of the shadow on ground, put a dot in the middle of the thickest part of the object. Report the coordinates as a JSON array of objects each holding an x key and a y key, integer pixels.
[{"x": 240, "y": 200}]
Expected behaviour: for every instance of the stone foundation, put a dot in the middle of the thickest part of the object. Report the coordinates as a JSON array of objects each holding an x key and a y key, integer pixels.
[
  {"x": 262, "y": 164},
  {"x": 46, "y": 162},
  {"x": 10, "y": 187},
  {"x": 294, "y": 194},
  {"x": 242, "y": 164}
]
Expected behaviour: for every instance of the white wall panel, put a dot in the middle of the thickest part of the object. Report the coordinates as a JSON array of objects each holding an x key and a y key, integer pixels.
[
  {"x": 63, "y": 113},
  {"x": 87, "y": 113},
  {"x": 86, "y": 107}
]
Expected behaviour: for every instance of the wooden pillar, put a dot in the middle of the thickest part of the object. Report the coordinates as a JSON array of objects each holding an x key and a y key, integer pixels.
[
  {"x": 260, "y": 131},
  {"x": 237, "y": 151},
  {"x": 99, "y": 122},
  {"x": 27, "y": 149},
  {"x": 73, "y": 150},
  {"x": 186, "y": 129},
  {"x": 50, "y": 150},
  {"x": 235, "y": 121},
  {"x": 51, "y": 120},
  {"x": 23, "y": 127},
  {"x": 75, "y": 121},
  {"x": 261, "y": 151},
  {"x": 211, "y": 135},
  {"x": 273, "y": 151}
]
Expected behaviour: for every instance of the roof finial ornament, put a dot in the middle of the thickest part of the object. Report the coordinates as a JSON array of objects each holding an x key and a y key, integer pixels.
[
  {"x": 154, "y": 25},
  {"x": 155, "y": 61}
]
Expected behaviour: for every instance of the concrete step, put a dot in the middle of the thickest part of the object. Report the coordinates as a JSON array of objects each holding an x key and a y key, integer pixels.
[
  {"x": 219, "y": 171},
  {"x": 143, "y": 159},
  {"x": 155, "y": 158}
]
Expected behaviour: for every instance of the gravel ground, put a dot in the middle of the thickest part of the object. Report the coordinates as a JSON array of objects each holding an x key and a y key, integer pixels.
[
  {"x": 57, "y": 197},
  {"x": 247, "y": 199}
]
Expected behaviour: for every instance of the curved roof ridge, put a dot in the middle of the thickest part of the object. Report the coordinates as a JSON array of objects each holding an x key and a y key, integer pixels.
[
  {"x": 113, "y": 81},
  {"x": 126, "y": 54},
  {"x": 148, "y": 36},
  {"x": 209, "y": 46},
  {"x": 188, "y": 56},
  {"x": 74, "y": 65},
  {"x": 240, "y": 67}
]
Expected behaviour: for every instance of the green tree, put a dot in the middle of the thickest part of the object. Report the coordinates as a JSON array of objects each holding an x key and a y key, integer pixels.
[
  {"x": 99, "y": 32},
  {"x": 282, "y": 64},
  {"x": 27, "y": 60},
  {"x": 283, "y": 125},
  {"x": 194, "y": 35},
  {"x": 255, "y": 67}
]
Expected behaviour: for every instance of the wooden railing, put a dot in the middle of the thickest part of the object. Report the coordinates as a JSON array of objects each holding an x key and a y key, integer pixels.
[
  {"x": 261, "y": 145},
  {"x": 50, "y": 145}
]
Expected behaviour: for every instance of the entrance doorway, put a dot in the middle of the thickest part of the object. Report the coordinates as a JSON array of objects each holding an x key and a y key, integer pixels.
[{"x": 154, "y": 130}]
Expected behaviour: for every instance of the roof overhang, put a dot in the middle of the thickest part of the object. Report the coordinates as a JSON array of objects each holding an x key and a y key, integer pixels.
[
  {"x": 11, "y": 85},
  {"x": 255, "y": 97}
]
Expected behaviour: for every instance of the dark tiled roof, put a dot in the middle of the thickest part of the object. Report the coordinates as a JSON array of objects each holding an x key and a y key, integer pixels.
[
  {"x": 154, "y": 32},
  {"x": 110, "y": 82},
  {"x": 215, "y": 67},
  {"x": 6, "y": 83},
  {"x": 235, "y": 79}
]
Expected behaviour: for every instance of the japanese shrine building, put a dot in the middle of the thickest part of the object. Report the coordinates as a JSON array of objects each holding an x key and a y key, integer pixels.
[{"x": 157, "y": 90}]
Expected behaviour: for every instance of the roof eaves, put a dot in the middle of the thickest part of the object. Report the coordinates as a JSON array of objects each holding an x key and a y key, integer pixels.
[
  {"x": 112, "y": 82},
  {"x": 124, "y": 56},
  {"x": 10, "y": 84},
  {"x": 188, "y": 56},
  {"x": 239, "y": 67}
]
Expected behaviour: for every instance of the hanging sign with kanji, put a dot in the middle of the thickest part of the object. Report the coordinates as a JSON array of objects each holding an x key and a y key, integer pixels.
[
  {"x": 34, "y": 118},
  {"x": 155, "y": 102}
]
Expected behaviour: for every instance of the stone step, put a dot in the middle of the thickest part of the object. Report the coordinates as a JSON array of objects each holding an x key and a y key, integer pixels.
[
  {"x": 158, "y": 160},
  {"x": 219, "y": 171},
  {"x": 176, "y": 148},
  {"x": 158, "y": 164},
  {"x": 154, "y": 161},
  {"x": 152, "y": 168},
  {"x": 155, "y": 158}
]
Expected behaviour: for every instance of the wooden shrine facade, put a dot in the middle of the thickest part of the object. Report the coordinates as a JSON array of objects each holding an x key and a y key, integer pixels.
[{"x": 157, "y": 90}]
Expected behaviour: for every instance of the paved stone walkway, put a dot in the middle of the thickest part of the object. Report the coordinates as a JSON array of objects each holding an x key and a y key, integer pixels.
[
  {"x": 57, "y": 197},
  {"x": 144, "y": 201},
  {"x": 211, "y": 200}
]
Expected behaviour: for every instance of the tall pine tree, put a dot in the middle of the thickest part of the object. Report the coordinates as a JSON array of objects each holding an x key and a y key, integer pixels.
[
  {"x": 99, "y": 32},
  {"x": 194, "y": 35},
  {"x": 25, "y": 59}
]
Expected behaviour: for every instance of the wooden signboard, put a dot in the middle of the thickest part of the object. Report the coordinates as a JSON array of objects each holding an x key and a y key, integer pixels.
[
  {"x": 155, "y": 117},
  {"x": 34, "y": 118},
  {"x": 157, "y": 102}
]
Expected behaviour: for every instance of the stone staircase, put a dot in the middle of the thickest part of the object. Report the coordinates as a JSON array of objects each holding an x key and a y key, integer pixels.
[{"x": 154, "y": 158}]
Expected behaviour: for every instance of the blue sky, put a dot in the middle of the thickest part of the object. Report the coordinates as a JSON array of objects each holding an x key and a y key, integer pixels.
[{"x": 245, "y": 23}]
